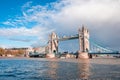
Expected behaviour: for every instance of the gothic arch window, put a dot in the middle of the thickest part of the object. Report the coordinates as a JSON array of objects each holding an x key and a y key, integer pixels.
[{"x": 86, "y": 49}]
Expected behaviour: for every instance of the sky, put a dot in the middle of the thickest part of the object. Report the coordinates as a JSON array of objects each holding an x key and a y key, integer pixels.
[{"x": 27, "y": 23}]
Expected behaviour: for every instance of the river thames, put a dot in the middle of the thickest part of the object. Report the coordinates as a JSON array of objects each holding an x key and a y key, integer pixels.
[{"x": 59, "y": 69}]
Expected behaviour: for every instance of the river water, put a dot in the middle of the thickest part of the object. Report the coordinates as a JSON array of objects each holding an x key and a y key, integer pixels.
[{"x": 59, "y": 69}]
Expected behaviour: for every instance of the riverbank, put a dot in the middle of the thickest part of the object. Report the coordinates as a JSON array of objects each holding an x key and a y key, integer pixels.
[{"x": 101, "y": 60}]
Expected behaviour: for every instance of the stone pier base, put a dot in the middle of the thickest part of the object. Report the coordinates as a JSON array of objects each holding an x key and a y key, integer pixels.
[
  {"x": 82, "y": 55},
  {"x": 50, "y": 55}
]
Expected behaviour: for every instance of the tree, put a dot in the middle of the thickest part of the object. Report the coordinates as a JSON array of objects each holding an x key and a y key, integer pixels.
[
  {"x": 8, "y": 52},
  {"x": 2, "y": 51},
  {"x": 20, "y": 52}
]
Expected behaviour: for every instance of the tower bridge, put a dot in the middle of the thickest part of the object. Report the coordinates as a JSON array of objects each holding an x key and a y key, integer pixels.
[{"x": 86, "y": 46}]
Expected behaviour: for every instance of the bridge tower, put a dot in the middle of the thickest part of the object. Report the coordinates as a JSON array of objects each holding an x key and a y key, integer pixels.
[
  {"x": 83, "y": 42},
  {"x": 52, "y": 45}
]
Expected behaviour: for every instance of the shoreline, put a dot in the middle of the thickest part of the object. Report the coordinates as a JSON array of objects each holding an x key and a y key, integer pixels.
[{"x": 115, "y": 61}]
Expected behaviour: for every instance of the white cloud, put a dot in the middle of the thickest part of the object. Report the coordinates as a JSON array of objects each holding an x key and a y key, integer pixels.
[
  {"x": 90, "y": 11},
  {"x": 65, "y": 16},
  {"x": 35, "y": 31},
  {"x": 21, "y": 40},
  {"x": 39, "y": 32}
]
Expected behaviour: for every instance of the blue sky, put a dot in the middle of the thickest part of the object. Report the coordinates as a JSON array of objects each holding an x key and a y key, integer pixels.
[
  {"x": 12, "y": 10},
  {"x": 27, "y": 23}
]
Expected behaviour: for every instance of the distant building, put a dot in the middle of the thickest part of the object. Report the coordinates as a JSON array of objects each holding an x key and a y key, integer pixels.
[
  {"x": 36, "y": 52},
  {"x": 40, "y": 50}
]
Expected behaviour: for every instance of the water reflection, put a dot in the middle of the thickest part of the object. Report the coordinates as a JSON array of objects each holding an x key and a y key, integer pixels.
[
  {"x": 53, "y": 66},
  {"x": 60, "y": 69},
  {"x": 83, "y": 68}
]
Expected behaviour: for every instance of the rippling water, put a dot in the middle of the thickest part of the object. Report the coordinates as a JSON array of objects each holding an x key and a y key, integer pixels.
[{"x": 59, "y": 69}]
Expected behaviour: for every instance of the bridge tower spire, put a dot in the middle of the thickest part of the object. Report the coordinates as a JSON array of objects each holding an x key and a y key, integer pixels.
[
  {"x": 52, "y": 45},
  {"x": 83, "y": 42}
]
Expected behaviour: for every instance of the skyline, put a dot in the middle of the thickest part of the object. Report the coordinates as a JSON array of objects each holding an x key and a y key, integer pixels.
[{"x": 27, "y": 23}]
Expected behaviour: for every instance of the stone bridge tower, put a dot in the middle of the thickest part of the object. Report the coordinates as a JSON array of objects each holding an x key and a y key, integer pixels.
[
  {"x": 83, "y": 42},
  {"x": 52, "y": 45}
]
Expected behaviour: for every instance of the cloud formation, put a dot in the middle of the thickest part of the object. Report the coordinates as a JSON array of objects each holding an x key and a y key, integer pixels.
[
  {"x": 23, "y": 40},
  {"x": 66, "y": 16}
]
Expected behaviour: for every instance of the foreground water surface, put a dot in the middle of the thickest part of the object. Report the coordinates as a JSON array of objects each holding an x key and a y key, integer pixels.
[{"x": 59, "y": 69}]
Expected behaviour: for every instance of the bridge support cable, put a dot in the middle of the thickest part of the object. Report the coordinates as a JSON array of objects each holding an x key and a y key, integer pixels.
[{"x": 95, "y": 48}]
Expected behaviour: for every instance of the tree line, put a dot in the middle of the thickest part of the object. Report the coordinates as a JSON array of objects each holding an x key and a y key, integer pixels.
[{"x": 16, "y": 52}]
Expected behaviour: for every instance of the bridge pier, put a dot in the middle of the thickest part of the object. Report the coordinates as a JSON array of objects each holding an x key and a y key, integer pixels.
[
  {"x": 83, "y": 43},
  {"x": 82, "y": 55}
]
